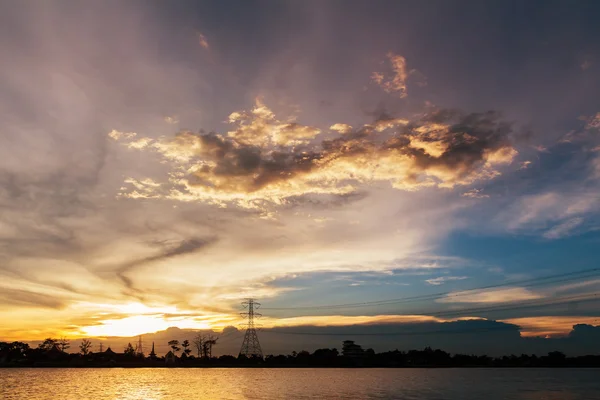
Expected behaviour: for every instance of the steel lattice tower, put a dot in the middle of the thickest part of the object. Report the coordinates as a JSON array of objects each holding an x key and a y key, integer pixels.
[
  {"x": 139, "y": 349},
  {"x": 250, "y": 345}
]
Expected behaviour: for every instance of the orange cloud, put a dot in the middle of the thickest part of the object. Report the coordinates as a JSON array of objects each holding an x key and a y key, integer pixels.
[{"x": 396, "y": 81}]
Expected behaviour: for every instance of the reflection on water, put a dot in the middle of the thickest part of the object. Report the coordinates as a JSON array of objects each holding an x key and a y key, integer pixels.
[{"x": 169, "y": 384}]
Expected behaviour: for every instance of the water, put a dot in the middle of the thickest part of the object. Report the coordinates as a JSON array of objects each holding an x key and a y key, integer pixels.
[{"x": 408, "y": 384}]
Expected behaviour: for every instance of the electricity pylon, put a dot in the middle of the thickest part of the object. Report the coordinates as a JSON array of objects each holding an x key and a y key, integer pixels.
[
  {"x": 139, "y": 349},
  {"x": 250, "y": 345}
]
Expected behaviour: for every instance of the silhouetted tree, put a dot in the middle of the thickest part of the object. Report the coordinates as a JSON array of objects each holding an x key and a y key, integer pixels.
[
  {"x": 63, "y": 344},
  {"x": 47, "y": 344},
  {"x": 174, "y": 346},
  {"x": 129, "y": 350},
  {"x": 85, "y": 347},
  {"x": 209, "y": 342},
  {"x": 14, "y": 350},
  {"x": 185, "y": 344},
  {"x": 198, "y": 342}
]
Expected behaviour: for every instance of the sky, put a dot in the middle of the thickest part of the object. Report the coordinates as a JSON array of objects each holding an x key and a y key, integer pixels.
[{"x": 162, "y": 161}]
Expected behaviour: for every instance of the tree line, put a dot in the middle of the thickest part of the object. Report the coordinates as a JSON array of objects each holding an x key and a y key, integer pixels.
[{"x": 53, "y": 352}]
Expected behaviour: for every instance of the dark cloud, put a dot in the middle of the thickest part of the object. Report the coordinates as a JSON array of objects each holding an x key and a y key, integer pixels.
[
  {"x": 25, "y": 298},
  {"x": 173, "y": 249}
]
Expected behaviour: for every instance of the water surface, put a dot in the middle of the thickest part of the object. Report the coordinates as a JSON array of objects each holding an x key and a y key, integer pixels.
[{"x": 234, "y": 384}]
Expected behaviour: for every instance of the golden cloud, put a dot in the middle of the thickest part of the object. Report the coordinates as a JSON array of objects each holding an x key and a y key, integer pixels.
[
  {"x": 259, "y": 127},
  {"x": 117, "y": 135},
  {"x": 265, "y": 159},
  {"x": 341, "y": 128},
  {"x": 395, "y": 81}
]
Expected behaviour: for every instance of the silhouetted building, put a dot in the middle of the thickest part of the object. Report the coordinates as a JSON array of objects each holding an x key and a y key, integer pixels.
[
  {"x": 152, "y": 353},
  {"x": 350, "y": 349},
  {"x": 109, "y": 353},
  {"x": 170, "y": 358}
]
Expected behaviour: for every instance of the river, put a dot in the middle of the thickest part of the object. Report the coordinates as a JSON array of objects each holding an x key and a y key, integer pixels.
[{"x": 256, "y": 383}]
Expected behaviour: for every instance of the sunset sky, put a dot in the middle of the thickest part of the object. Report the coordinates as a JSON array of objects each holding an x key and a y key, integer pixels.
[{"x": 160, "y": 161}]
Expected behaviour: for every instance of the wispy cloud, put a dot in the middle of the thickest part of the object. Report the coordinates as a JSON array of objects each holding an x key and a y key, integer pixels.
[
  {"x": 563, "y": 229},
  {"x": 440, "y": 280},
  {"x": 202, "y": 41},
  {"x": 475, "y": 194},
  {"x": 502, "y": 295}
]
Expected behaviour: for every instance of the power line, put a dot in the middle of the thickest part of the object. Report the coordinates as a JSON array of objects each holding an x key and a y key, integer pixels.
[{"x": 558, "y": 278}]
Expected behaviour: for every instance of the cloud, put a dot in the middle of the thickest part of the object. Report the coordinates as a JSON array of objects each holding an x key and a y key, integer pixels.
[
  {"x": 564, "y": 210},
  {"x": 525, "y": 164},
  {"x": 344, "y": 320},
  {"x": 259, "y": 127},
  {"x": 549, "y": 325},
  {"x": 503, "y": 295},
  {"x": 443, "y": 279},
  {"x": 563, "y": 229},
  {"x": 116, "y": 135},
  {"x": 593, "y": 122},
  {"x": 203, "y": 42},
  {"x": 171, "y": 120},
  {"x": 341, "y": 128},
  {"x": 396, "y": 81},
  {"x": 475, "y": 194},
  {"x": 348, "y": 196},
  {"x": 264, "y": 159},
  {"x": 169, "y": 250},
  {"x": 17, "y": 297}
]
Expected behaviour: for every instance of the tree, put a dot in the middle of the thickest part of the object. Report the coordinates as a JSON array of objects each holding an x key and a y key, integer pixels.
[
  {"x": 47, "y": 344},
  {"x": 14, "y": 350},
  {"x": 174, "y": 346},
  {"x": 85, "y": 347},
  {"x": 185, "y": 344},
  {"x": 198, "y": 342},
  {"x": 129, "y": 350},
  {"x": 63, "y": 344},
  {"x": 209, "y": 342}
]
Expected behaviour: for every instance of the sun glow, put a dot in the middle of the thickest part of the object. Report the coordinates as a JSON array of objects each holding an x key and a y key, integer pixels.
[
  {"x": 137, "y": 325},
  {"x": 132, "y": 319}
]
